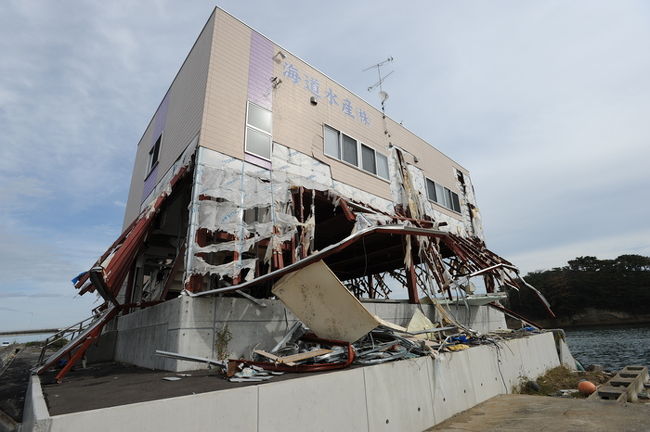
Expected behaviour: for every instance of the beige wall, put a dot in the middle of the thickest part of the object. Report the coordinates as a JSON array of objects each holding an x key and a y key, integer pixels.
[
  {"x": 299, "y": 124},
  {"x": 296, "y": 122},
  {"x": 183, "y": 120},
  {"x": 210, "y": 93},
  {"x": 224, "y": 118}
]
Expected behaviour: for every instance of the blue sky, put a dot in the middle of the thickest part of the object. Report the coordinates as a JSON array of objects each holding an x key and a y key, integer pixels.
[{"x": 545, "y": 102}]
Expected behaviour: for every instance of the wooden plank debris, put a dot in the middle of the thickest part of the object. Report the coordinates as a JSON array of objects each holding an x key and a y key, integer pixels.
[
  {"x": 291, "y": 360},
  {"x": 304, "y": 356}
]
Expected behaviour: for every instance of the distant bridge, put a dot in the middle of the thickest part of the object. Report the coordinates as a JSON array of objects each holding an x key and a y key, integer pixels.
[{"x": 26, "y": 332}]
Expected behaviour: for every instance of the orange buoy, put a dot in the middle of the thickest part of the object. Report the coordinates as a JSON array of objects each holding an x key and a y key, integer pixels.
[{"x": 586, "y": 387}]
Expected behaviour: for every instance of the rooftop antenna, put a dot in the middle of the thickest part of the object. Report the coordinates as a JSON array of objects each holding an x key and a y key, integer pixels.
[{"x": 382, "y": 94}]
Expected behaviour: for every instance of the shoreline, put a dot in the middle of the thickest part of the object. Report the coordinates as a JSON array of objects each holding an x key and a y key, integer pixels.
[
  {"x": 593, "y": 325},
  {"x": 594, "y": 318}
]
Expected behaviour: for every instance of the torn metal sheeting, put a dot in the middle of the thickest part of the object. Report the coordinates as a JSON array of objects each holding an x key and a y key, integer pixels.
[
  {"x": 248, "y": 223},
  {"x": 290, "y": 335},
  {"x": 472, "y": 253},
  {"x": 316, "y": 296},
  {"x": 329, "y": 250},
  {"x": 377, "y": 358}
]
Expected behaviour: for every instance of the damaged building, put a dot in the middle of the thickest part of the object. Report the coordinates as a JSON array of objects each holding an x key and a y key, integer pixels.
[{"x": 260, "y": 188}]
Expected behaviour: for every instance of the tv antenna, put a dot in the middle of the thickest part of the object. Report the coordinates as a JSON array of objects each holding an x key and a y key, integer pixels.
[{"x": 382, "y": 94}]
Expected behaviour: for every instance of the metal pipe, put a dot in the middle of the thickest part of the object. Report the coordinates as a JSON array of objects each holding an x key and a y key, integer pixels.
[{"x": 178, "y": 356}]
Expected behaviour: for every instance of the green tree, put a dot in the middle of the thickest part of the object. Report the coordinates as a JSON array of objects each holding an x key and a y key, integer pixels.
[{"x": 621, "y": 284}]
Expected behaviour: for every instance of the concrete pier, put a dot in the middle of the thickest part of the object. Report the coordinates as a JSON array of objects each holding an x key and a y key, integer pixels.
[{"x": 509, "y": 413}]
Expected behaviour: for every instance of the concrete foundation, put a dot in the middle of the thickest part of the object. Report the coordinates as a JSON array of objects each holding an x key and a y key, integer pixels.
[
  {"x": 197, "y": 326},
  {"x": 408, "y": 395}
]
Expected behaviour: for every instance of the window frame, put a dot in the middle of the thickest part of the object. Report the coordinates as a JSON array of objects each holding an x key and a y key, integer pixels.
[
  {"x": 374, "y": 159},
  {"x": 155, "y": 148},
  {"x": 356, "y": 149},
  {"x": 446, "y": 200},
  {"x": 433, "y": 188},
  {"x": 456, "y": 201},
  {"x": 359, "y": 153},
  {"x": 387, "y": 178},
  {"x": 338, "y": 142},
  {"x": 262, "y": 131}
]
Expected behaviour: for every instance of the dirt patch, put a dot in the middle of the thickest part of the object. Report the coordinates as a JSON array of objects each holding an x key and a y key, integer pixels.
[{"x": 561, "y": 378}]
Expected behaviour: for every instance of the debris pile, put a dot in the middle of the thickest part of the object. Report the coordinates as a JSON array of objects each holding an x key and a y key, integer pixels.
[{"x": 300, "y": 350}]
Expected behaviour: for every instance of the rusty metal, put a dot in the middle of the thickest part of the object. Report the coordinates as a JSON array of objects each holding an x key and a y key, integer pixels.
[
  {"x": 513, "y": 314},
  {"x": 349, "y": 215},
  {"x": 176, "y": 266},
  {"x": 125, "y": 248},
  {"x": 81, "y": 343},
  {"x": 412, "y": 284},
  {"x": 79, "y": 353}
]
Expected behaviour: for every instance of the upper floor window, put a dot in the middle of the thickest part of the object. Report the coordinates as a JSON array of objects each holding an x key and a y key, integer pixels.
[
  {"x": 153, "y": 154},
  {"x": 443, "y": 196},
  {"x": 343, "y": 147},
  {"x": 258, "y": 131}
]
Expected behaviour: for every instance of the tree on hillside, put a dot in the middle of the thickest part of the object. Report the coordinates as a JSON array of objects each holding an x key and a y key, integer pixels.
[{"x": 621, "y": 284}]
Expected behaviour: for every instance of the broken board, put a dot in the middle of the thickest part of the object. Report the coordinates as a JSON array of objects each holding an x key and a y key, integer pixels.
[
  {"x": 291, "y": 359},
  {"x": 318, "y": 298},
  {"x": 419, "y": 322}
]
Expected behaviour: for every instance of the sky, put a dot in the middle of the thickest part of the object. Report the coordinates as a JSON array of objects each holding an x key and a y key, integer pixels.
[{"x": 547, "y": 103}]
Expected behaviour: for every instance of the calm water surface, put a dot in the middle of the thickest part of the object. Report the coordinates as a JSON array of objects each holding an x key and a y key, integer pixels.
[
  {"x": 25, "y": 338},
  {"x": 611, "y": 347}
]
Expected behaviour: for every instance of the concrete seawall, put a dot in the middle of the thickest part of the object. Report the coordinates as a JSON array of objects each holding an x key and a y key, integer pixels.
[{"x": 407, "y": 395}]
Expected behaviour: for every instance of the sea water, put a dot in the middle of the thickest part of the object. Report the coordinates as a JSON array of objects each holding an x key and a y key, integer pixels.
[
  {"x": 25, "y": 337},
  {"x": 611, "y": 347}
]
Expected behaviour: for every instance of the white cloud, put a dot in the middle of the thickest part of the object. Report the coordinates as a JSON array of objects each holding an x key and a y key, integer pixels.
[
  {"x": 545, "y": 102},
  {"x": 608, "y": 246}
]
